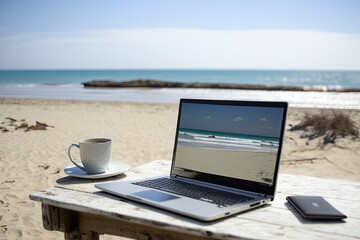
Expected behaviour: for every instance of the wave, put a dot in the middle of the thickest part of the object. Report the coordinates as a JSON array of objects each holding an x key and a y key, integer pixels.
[
  {"x": 349, "y": 100},
  {"x": 221, "y": 142}
]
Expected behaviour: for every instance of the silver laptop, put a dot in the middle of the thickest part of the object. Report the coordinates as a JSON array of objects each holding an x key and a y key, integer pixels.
[{"x": 226, "y": 160}]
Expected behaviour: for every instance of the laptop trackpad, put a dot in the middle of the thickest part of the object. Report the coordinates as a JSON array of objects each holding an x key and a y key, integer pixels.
[{"x": 155, "y": 195}]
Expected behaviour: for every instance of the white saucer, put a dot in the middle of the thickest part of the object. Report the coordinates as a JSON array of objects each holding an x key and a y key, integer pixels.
[{"x": 114, "y": 169}]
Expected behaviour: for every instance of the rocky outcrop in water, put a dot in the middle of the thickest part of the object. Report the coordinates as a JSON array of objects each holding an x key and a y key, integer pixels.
[{"x": 148, "y": 83}]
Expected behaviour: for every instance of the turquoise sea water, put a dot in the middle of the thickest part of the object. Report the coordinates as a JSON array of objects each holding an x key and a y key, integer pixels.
[
  {"x": 346, "y": 79},
  {"x": 224, "y": 140},
  {"x": 228, "y": 135},
  {"x": 66, "y": 84}
]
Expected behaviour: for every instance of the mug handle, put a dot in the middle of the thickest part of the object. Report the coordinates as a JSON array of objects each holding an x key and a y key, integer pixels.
[{"x": 69, "y": 149}]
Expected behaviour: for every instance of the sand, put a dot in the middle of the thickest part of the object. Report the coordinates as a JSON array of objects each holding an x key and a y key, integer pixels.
[
  {"x": 33, "y": 160},
  {"x": 226, "y": 162}
]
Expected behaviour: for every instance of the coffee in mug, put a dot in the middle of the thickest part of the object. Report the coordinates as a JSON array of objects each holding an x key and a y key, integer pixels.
[{"x": 95, "y": 154}]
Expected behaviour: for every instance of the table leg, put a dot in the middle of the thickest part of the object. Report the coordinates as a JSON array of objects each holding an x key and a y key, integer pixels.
[
  {"x": 66, "y": 221},
  {"x": 78, "y": 235}
]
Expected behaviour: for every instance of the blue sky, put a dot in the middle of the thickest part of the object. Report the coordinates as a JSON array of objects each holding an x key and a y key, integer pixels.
[
  {"x": 233, "y": 119},
  {"x": 193, "y": 34}
]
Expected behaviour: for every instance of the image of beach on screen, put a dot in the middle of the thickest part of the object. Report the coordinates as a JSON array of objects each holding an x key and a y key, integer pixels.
[{"x": 233, "y": 141}]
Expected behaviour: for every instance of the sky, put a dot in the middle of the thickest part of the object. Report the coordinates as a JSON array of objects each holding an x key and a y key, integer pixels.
[
  {"x": 258, "y": 121},
  {"x": 186, "y": 34}
]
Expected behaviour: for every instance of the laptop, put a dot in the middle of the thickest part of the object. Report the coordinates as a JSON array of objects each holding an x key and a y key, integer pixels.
[{"x": 226, "y": 160}]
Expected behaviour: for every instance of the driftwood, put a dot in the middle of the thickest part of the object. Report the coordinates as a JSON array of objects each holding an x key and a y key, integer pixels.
[
  {"x": 38, "y": 126},
  {"x": 149, "y": 83},
  {"x": 11, "y": 122}
]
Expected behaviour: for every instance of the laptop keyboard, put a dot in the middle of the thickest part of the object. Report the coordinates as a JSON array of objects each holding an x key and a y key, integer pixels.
[{"x": 207, "y": 194}]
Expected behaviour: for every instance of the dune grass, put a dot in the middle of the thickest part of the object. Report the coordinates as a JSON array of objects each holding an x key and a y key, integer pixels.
[{"x": 329, "y": 124}]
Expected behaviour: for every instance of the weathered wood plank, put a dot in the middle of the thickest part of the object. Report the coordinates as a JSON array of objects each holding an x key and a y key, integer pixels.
[
  {"x": 67, "y": 221},
  {"x": 47, "y": 217},
  {"x": 328, "y": 188},
  {"x": 78, "y": 235},
  {"x": 287, "y": 184},
  {"x": 88, "y": 222},
  {"x": 155, "y": 168},
  {"x": 246, "y": 225},
  {"x": 278, "y": 219}
]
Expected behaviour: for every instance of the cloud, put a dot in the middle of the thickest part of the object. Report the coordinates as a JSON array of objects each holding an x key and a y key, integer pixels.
[
  {"x": 237, "y": 119},
  {"x": 263, "y": 119},
  {"x": 182, "y": 48},
  {"x": 207, "y": 117}
]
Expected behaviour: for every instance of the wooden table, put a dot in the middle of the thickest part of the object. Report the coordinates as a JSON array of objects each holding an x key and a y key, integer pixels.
[{"x": 81, "y": 211}]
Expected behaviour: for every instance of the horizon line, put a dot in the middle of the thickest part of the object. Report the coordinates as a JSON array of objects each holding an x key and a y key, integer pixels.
[{"x": 180, "y": 69}]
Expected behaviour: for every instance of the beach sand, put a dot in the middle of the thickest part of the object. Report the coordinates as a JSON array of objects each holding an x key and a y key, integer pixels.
[
  {"x": 33, "y": 160},
  {"x": 225, "y": 161}
]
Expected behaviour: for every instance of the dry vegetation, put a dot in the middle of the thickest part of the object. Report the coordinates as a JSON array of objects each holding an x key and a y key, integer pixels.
[
  {"x": 329, "y": 124},
  {"x": 11, "y": 124}
]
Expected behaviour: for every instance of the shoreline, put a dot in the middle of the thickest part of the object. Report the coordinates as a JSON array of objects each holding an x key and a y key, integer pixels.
[{"x": 308, "y": 99}]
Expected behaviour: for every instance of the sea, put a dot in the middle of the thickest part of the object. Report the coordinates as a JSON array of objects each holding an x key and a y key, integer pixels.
[
  {"x": 67, "y": 84},
  {"x": 229, "y": 141}
]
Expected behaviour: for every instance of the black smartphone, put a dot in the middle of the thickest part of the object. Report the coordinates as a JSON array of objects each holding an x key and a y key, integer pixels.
[{"x": 315, "y": 207}]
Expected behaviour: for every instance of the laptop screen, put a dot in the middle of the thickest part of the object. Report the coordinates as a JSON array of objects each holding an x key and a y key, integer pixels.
[{"x": 230, "y": 143}]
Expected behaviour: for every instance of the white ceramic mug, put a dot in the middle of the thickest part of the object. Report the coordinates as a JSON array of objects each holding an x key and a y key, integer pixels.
[{"x": 95, "y": 154}]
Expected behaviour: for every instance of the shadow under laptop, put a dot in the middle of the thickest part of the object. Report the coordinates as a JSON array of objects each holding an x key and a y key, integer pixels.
[
  {"x": 172, "y": 214},
  {"x": 302, "y": 220}
]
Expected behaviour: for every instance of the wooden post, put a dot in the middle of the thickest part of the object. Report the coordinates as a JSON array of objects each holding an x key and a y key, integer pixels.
[
  {"x": 50, "y": 217},
  {"x": 66, "y": 221},
  {"x": 77, "y": 235}
]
